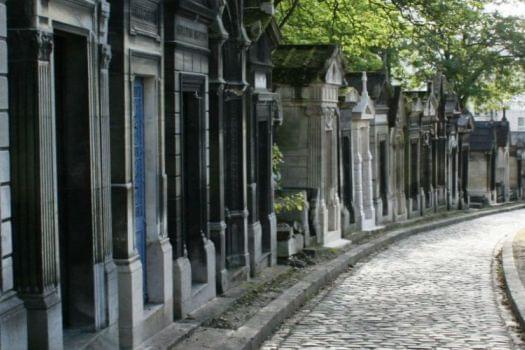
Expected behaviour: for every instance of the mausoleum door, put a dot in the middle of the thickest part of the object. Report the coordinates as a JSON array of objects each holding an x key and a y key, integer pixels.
[
  {"x": 454, "y": 171},
  {"x": 413, "y": 172},
  {"x": 140, "y": 177},
  {"x": 383, "y": 176},
  {"x": 194, "y": 192},
  {"x": 74, "y": 180},
  {"x": 347, "y": 176},
  {"x": 264, "y": 170}
]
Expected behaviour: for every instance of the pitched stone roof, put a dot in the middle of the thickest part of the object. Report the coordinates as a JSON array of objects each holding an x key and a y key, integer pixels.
[{"x": 300, "y": 65}]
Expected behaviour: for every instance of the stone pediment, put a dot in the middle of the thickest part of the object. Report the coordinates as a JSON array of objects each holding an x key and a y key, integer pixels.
[
  {"x": 365, "y": 108},
  {"x": 334, "y": 73}
]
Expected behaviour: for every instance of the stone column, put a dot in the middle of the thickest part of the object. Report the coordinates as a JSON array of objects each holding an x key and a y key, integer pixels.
[
  {"x": 315, "y": 169},
  {"x": 358, "y": 173},
  {"x": 218, "y": 36},
  {"x": 34, "y": 185},
  {"x": 368, "y": 197}
]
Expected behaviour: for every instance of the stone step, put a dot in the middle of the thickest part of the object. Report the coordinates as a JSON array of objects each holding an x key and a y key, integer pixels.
[
  {"x": 340, "y": 243},
  {"x": 332, "y": 236}
]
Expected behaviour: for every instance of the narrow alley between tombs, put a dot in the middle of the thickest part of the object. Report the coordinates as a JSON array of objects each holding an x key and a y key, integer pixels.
[{"x": 433, "y": 290}]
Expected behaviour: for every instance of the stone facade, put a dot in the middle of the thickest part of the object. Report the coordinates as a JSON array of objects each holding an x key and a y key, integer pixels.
[
  {"x": 264, "y": 107},
  {"x": 362, "y": 116},
  {"x": 60, "y": 165},
  {"x": 142, "y": 252},
  {"x": 188, "y": 153},
  {"x": 308, "y": 78},
  {"x": 155, "y": 154},
  {"x": 398, "y": 158},
  {"x": 381, "y": 149},
  {"x": 413, "y": 146},
  {"x": 13, "y": 321},
  {"x": 482, "y": 164}
]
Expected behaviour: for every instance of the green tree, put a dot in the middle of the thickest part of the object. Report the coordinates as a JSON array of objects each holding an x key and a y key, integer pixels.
[
  {"x": 367, "y": 30},
  {"x": 480, "y": 53}
]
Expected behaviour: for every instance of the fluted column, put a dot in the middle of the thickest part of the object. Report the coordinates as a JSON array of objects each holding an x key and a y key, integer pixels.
[{"x": 34, "y": 184}]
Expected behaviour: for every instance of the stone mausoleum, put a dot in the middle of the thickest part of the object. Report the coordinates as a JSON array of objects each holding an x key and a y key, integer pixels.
[
  {"x": 135, "y": 164},
  {"x": 308, "y": 79}
]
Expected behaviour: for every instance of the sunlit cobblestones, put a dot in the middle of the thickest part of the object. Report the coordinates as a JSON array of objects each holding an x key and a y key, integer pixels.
[{"x": 431, "y": 291}]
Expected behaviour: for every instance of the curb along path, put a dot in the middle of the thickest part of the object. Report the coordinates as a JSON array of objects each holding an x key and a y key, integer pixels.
[
  {"x": 513, "y": 267},
  {"x": 252, "y": 334},
  {"x": 431, "y": 291}
]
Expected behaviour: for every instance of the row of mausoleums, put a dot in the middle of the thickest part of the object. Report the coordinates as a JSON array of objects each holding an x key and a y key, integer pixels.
[
  {"x": 136, "y": 179},
  {"x": 135, "y": 164},
  {"x": 364, "y": 153}
]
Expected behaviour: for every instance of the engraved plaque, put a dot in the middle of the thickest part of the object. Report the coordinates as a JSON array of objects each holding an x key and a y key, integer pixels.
[
  {"x": 191, "y": 32},
  {"x": 145, "y": 18}
]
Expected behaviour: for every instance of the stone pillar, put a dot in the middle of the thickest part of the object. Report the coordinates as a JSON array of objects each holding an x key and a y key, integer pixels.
[
  {"x": 218, "y": 36},
  {"x": 235, "y": 123},
  {"x": 358, "y": 174},
  {"x": 13, "y": 318},
  {"x": 33, "y": 185},
  {"x": 364, "y": 195},
  {"x": 315, "y": 169},
  {"x": 105, "y": 265},
  {"x": 368, "y": 194}
]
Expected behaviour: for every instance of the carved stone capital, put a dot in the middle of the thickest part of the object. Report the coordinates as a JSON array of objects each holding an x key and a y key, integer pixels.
[{"x": 105, "y": 55}]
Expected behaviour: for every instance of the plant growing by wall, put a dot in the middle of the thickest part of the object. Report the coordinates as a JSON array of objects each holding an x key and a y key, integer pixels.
[{"x": 284, "y": 201}]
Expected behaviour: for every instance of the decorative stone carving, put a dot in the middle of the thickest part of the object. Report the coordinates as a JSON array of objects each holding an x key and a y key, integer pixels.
[
  {"x": 329, "y": 119},
  {"x": 105, "y": 55},
  {"x": 145, "y": 17}
]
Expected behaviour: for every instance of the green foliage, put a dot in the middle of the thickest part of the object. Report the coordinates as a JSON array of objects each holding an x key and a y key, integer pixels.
[
  {"x": 284, "y": 201},
  {"x": 289, "y": 202},
  {"x": 363, "y": 28},
  {"x": 481, "y": 53}
]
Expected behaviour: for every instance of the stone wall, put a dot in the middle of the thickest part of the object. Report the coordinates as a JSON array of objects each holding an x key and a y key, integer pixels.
[{"x": 13, "y": 331}]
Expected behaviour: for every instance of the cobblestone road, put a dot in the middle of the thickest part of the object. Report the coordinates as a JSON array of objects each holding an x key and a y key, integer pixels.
[{"x": 430, "y": 291}]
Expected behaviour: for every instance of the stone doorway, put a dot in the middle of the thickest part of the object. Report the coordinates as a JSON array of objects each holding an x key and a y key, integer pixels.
[
  {"x": 74, "y": 181},
  {"x": 194, "y": 179}
]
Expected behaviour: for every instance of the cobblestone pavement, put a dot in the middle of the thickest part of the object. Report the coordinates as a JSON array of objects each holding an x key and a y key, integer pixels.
[{"x": 433, "y": 290}]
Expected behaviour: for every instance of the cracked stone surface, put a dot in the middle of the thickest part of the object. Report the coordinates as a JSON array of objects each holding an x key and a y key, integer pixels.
[{"x": 434, "y": 290}]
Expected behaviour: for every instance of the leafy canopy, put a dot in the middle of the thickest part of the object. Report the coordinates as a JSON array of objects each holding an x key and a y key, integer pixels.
[{"x": 482, "y": 54}]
